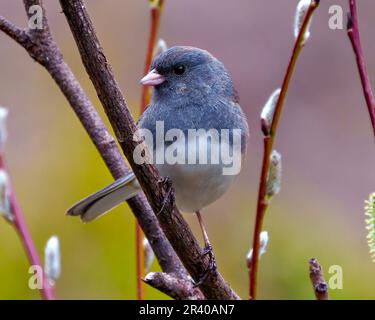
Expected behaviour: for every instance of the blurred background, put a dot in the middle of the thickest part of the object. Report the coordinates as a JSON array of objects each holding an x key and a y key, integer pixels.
[{"x": 324, "y": 136}]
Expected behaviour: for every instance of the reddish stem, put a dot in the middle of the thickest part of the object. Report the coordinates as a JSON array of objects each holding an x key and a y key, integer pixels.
[
  {"x": 354, "y": 36},
  {"x": 155, "y": 14},
  {"x": 262, "y": 205},
  {"x": 268, "y": 142},
  {"x": 25, "y": 237}
]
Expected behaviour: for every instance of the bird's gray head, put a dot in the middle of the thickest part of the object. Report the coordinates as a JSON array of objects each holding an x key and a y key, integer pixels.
[{"x": 188, "y": 73}]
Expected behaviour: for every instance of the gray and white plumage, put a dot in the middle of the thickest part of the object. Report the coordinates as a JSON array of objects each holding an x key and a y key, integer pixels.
[{"x": 200, "y": 97}]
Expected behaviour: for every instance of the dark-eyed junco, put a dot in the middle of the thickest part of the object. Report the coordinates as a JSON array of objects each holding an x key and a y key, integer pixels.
[{"x": 198, "y": 133}]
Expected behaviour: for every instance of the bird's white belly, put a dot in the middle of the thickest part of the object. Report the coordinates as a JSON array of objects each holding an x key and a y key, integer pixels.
[{"x": 196, "y": 186}]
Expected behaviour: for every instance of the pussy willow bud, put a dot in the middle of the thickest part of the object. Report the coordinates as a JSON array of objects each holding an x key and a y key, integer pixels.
[
  {"x": 52, "y": 260},
  {"x": 5, "y": 209},
  {"x": 263, "y": 240},
  {"x": 148, "y": 255},
  {"x": 274, "y": 175},
  {"x": 370, "y": 223},
  {"x": 160, "y": 47},
  {"x": 150, "y": 276},
  {"x": 3, "y": 129},
  {"x": 268, "y": 111},
  {"x": 301, "y": 11}
]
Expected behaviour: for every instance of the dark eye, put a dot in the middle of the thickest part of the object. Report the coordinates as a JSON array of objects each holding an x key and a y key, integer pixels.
[{"x": 179, "y": 69}]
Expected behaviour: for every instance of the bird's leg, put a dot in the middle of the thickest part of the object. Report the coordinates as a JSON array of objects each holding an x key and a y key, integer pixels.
[
  {"x": 207, "y": 244},
  {"x": 206, "y": 251}
]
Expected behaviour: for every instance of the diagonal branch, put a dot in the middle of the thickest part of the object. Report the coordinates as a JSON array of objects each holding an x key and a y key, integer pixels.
[
  {"x": 41, "y": 47},
  {"x": 355, "y": 39},
  {"x": 155, "y": 13},
  {"x": 17, "y": 34},
  {"x": 158, "y": 191}
]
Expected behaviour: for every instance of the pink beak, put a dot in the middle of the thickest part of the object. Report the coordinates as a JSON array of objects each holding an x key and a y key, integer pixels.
[{"x": 153, "y": 78}]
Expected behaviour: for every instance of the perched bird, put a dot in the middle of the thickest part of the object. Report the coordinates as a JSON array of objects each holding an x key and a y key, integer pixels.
[{"x": 192, "y": 92}]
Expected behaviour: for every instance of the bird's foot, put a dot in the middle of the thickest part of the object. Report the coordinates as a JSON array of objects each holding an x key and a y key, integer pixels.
[{"x": 207, "y": 250}]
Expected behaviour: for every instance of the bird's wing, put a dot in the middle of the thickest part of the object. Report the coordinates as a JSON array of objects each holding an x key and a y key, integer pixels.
[{"x": 105, "y": 199}]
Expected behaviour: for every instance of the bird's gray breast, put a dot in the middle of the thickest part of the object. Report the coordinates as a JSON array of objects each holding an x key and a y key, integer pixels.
[
  {"x": 197, "y": 183},
  {"x": 217, "y": 114}
]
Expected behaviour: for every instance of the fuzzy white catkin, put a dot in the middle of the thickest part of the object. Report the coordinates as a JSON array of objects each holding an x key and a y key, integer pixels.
[
  {"x": 301, "y": 10},
  {"x": 150, "y": 276},
  {"x": 269, "y": 109},
  {"x": 370, "y": 223},
  {"x": 263, "y": 241},
  {"x": 3, "y": 129},
  {"x": 52, "y": 260},
  {"x": 274, "y": 174},
  {"x": 148, "y": 255},
  {"x": 160, "y": 47},
  {"x": 5, "y": 209}
]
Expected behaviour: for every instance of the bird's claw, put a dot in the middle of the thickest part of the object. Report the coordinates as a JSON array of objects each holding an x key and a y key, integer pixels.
[{"x": 207, "y": 250}]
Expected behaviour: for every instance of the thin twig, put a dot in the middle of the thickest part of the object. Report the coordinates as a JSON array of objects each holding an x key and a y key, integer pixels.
[
  {"x": 158, "y": 191},
  {"x": 262, "y": 203},
  {"x": 42, "y": 48},
  {"x": 155, "y": 13},
  {"x": 17, "y": 34},
  {"x": 20, "y": 226},
  {"x": 317, "y": 280},
  {"x": 172, "y": 286},
  {"x": 355, "y": 39},
  {"x": 21, "y": 37}
]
